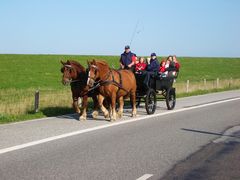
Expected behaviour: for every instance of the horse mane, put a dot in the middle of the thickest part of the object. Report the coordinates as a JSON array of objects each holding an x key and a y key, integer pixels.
[
  {"x": 102, "y": 62},
  {"x": 76, "y": 64}
]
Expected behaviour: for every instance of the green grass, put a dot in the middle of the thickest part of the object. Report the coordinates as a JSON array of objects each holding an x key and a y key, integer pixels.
[
  {"x": 196, "y": 69},
  {"x": 21, "y": 75},
  {"x": 201, "y": 92},
  {"x": 43, "y": 71}
]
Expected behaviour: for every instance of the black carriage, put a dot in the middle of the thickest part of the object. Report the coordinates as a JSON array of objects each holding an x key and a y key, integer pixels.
[{"x": 158, "y": 88}]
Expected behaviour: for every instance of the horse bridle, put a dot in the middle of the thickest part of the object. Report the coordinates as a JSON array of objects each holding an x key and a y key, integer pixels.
[
  {"x": 95, "y": 70},
  {"x": 68, "y": 66}
]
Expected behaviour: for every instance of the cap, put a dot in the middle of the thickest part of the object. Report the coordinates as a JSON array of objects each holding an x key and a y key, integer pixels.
[
  {"x": 127, "y": 47},
  {"x": 153, "y": 54}
]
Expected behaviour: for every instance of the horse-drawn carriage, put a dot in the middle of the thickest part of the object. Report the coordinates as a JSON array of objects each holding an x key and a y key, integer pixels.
[
  {"x": 158, "y": 88},
  {"x": 114, "y": 86}
]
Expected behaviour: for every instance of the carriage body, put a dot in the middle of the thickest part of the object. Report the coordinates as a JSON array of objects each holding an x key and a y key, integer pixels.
[{"x": 159, "y": 88}]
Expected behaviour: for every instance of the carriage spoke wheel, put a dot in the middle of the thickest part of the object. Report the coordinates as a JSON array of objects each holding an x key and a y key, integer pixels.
[
  {"x": 171, "y": 98},
  {"x": 150, "y": 101}
]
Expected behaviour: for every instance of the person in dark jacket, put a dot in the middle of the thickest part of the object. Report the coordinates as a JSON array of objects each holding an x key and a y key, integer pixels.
[
  {"x": 153, "y": 65},
  {"x": 127, "y": 60},
  {"x": 152, "y": 69}
]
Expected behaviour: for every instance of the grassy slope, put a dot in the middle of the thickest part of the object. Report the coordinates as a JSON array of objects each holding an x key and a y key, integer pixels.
[
  {"x": 22, "y": 74},
  {"x": 42, "y": 71}
]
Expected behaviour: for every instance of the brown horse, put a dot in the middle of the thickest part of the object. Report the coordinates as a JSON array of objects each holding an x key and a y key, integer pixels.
[
  {"x": 75, "y": 75},
  {"x": 113, "y": 85}
]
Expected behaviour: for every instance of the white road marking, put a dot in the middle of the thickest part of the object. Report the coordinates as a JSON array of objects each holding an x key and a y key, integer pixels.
[
  {"x": 53, "y": 138},
  {"x": 145, "y": 176}
]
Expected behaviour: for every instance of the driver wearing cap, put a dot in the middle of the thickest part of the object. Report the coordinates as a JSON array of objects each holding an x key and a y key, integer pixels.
[{"x": 127, "y": 60}]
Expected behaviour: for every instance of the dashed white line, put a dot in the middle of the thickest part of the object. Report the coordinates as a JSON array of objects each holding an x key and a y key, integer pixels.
[
  {"x": 145, "y": 176},
  {"x": 53, "y": 138}
]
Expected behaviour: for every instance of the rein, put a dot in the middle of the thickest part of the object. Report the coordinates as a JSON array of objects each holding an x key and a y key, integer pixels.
[
  {"x": 73, "y": 81},
  {"x": 106, "y": 81}
]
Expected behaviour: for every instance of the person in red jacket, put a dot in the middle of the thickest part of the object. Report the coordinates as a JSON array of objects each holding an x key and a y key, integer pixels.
[
  {"x": 177, "y": 64},
  {"x": 141, "y": 65},
  {"x": 162, "y": 68}
]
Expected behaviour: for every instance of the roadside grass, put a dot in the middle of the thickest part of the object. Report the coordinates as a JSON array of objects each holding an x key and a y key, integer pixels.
[
  {"x": 201, "y": 92},
  {"x": 22, "y": 75}
]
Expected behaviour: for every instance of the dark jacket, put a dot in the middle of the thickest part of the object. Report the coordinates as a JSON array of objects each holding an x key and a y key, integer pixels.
[
  {"x": 153, "y": 66},
  {"x": 126, "y": 59}
]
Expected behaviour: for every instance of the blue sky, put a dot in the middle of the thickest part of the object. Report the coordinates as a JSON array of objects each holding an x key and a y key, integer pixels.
[{"x": 181, "y": 27}]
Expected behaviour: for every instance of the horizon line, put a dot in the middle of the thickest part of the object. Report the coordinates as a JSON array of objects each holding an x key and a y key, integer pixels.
[{"x": 56, "y": 54}]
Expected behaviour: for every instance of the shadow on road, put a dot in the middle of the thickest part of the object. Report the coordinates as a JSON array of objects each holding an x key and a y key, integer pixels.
[
  {"x": 56, "y": 111},
  {"x": 207, "y": 132}
]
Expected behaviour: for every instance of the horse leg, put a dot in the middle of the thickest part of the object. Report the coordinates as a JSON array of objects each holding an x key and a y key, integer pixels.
[
  {"x": 95, "y": 107},
  {"x": 113, "y": 116},
  {"x": 133, "y": 101},
  {"x": 120, "y": 110},
  {"x": 104, "y": 110},
  {"x": 76, "y": 106},
  {"x": 83, "y": 115}
]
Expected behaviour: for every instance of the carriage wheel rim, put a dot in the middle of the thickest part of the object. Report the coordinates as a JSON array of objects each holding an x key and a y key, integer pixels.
[
  {"x": 151, "y": 102},
  {"x": 171, "y": 100}
]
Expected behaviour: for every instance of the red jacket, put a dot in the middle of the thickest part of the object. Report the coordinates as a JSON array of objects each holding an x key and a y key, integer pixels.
[
  {"x": 177, "y": 65},
  {"x": 141, "y": 66},
  {"x": 162, "y": 67},
  {"x": 134, "y": 59}
]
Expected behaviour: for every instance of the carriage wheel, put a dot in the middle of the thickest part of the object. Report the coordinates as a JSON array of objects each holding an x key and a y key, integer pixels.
[
  {"x": 171, "y": 98},
  {"x": 150, "y": 101}
]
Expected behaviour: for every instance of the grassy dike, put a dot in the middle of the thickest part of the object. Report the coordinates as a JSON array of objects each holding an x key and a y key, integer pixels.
[{"x": 21, "y": 75}]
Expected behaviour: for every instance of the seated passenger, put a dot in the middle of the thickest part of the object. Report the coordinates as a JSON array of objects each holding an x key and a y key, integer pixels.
[
  {"x": 173, "y": 66},
  {"x": 140, "y": 65},
  {"x": 152, "y": 69},
  {"x": 153, "y": 65},
  {"x": 177, "y": 64},
  {"x": 162, "y": 68}
]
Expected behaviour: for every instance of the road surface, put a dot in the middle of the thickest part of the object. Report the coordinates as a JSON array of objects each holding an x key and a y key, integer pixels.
[{"x": 146, "y": 147}]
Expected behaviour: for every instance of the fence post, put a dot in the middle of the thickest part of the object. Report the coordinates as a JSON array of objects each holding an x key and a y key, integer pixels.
[
  {"x": 205, "y": 84},
  {"x": 217, "y": 83},
  {"x": 187, "y": 87},
  {"x": 36, "y": 101}
]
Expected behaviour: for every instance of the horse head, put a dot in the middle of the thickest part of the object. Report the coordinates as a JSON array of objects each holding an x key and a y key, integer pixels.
[
  {"x": 93, "y": 72},
  {"x": 69, "y": 71}
]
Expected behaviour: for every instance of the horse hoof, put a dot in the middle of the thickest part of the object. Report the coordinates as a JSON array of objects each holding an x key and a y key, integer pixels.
[
  {"x": 82, "y": 118},
  {"x": 134, "y": 115},
  {"x": 106, "y": 116},
  {"x": 95, "y": 114},
  {"x": 112, "y": 120},
  {"x": 119, "y": 115}
]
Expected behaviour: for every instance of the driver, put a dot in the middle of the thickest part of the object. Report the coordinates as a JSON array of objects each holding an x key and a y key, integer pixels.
[{"x": 127, "y": 60}]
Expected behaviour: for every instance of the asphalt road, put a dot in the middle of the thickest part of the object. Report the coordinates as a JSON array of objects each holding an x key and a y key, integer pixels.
[{"x": 147, "y": 147}]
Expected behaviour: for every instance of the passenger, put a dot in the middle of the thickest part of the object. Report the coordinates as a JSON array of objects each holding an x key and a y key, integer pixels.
[
  {"x": 141, "y": 65},
  {"x": 166, "y": 67},
  {"x": 127, "y": 60},
  {"x": 148, "y": 60},
  {"x": 162, "y": 68},
  {"x": 173, "y": 66},
  {"x": 177, "y": 64},
  {"x": 152, "y": 69},
  {"x": 153, "y": 65}
]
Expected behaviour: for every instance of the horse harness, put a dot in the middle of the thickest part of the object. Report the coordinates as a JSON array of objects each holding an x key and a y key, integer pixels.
[{"x": 108, "y": 82}]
